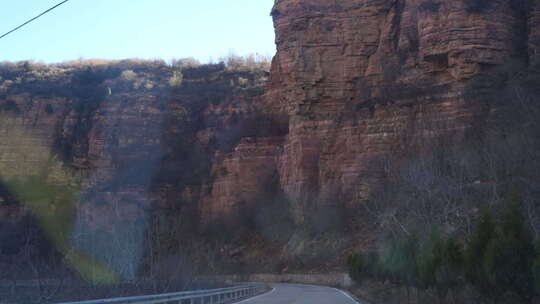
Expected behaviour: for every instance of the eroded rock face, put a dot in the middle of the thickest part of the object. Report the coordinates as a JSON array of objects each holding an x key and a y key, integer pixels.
[
  {"x": 133, "y": 138},
  {"x": 353, "y": 82},
  {"x": 361, "y": 80}
]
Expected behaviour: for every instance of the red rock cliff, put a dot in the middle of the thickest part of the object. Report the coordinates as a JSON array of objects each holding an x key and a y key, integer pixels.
[
  {"x": 352, "y": 81},
  {"x": 364, "y": 79}
]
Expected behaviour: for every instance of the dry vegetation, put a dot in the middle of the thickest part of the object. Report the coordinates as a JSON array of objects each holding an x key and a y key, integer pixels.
[
  {"x": 138, "y": 74},
  {"x": 461, "y": 223}
]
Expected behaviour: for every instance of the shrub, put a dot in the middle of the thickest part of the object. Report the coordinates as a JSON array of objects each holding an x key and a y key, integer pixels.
[
  {"x": 246, "y": 63},
  {"x": 128, "y": 75},
  {"x": 148, "y": 84},
  {"x": 93, "y": 76},
  {"x": 399, "y": 263},
  {"x": 357, "y": 267},
  {"x": 189, "y": 62},
  {"x": 176, "y": 79}
]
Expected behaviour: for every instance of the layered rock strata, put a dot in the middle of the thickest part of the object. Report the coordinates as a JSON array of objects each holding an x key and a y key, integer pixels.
[{"x": 353, "y": 82}]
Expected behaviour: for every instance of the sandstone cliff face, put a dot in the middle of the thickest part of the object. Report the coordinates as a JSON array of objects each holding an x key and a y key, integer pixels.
[
  {"x": 361, "y": 80},
  {"x": 353, "y": 82},
  {"x": 129, "y": 132}
]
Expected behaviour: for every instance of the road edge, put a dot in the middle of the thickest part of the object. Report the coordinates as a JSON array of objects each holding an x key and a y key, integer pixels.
[
  {"x": 252, "y": 298},
  {"x": 348, "y": 295}
]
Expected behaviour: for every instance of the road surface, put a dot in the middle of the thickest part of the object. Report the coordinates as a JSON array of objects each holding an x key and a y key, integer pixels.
[{"x": 301, "y": 294}]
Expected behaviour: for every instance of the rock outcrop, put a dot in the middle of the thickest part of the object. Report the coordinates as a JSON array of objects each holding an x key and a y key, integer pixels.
[
  {"x": 361, "y": 80},
  {"x": 352, "y": 83},
  {"x": 133, "y": 136}
]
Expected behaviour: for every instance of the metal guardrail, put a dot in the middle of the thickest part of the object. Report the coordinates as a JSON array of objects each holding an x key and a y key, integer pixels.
[{"x": 212, "y": 296}]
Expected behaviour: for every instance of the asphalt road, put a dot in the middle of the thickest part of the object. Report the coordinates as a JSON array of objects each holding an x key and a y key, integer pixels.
[{"x": 301, "y": 294}]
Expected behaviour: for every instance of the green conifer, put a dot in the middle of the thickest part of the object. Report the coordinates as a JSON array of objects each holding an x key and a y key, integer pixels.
[
  {"x": 475, "y": 252},
  {"x": 509, "y": 258}
]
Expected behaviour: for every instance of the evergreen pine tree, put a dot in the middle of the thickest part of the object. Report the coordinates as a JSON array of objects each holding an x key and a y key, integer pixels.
[
  {"x": 440, "y": 264},
  {"x": 475, "y": 252},
  {"x": 399, "y": 262},
  {"x": 357, "y": 267},
  {"x": 536, "y": 269},
  {"x": 429, "y": 260},
  {"x": 451, "y": 267},
  {"x": 510, "y": 257}
]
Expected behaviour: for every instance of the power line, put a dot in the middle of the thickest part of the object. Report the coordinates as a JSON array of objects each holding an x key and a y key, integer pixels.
[{"x": 45, "y": 12}]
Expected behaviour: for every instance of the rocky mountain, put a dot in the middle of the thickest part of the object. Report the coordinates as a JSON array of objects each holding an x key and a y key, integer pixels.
[
  {"x": 353, "y": 82},
  {"x": 362, "y": 79}
]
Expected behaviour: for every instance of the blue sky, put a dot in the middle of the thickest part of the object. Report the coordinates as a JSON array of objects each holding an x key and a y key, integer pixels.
[{"x": 114, "y": 29}]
